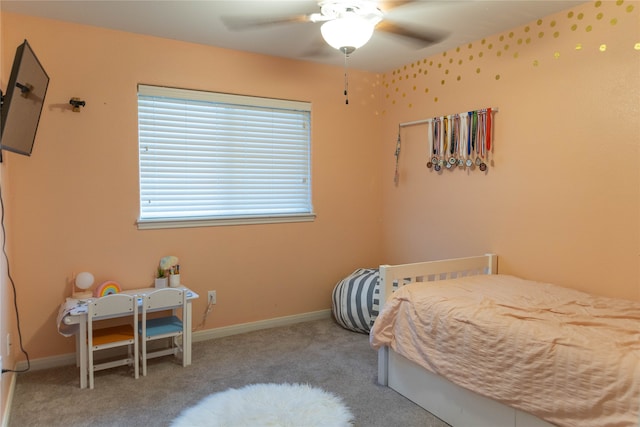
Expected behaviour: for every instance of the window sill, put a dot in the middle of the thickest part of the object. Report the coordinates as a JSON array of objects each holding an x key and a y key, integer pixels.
[{"x": 149, "y": 224}]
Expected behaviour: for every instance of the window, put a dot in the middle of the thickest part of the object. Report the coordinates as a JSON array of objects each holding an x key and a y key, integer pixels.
[{"x": 213, "y": 159}]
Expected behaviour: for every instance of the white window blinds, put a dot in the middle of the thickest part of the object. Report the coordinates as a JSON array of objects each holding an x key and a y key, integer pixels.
[{"x": 206, "y": 155}]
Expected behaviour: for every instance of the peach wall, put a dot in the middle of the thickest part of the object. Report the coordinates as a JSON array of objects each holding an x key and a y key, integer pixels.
[
  {"x": 74, "y": 203},
  {"x": 561, "y": 201}
]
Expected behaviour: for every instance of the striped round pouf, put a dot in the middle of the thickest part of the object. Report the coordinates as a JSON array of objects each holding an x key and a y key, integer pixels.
[{"x": 356, "y": 300}]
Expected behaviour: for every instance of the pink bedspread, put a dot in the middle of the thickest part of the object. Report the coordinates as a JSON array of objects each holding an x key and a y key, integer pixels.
[{"x": 570, "y": 358}]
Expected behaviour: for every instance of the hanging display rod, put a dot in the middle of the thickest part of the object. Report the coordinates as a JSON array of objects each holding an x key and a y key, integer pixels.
[{"x": 419, "y": 122}]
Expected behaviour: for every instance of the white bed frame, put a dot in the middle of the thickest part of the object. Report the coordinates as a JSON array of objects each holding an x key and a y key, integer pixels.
[{"x": 449, "y": 402}]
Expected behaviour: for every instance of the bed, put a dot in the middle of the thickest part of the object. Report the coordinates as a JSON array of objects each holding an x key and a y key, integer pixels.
[{"x": 478, "y": 348}]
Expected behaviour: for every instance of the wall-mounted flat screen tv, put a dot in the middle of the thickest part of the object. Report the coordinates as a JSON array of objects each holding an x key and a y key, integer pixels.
[{"x": 23, "y": 102}]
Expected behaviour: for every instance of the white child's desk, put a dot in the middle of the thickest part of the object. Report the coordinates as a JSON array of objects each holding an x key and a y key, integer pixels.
[{"x": 72, "y": 320}]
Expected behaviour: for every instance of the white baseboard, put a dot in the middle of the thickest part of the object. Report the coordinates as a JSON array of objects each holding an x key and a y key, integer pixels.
[
  {"x": 242, "y": 328},
  {"x": 70, "y": 358}
]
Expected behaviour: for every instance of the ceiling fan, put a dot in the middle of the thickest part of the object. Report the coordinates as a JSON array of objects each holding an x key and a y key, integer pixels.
[{"x": 349, "y": 24}]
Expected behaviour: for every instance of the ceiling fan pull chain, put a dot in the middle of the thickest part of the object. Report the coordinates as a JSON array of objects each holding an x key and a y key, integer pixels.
[{"x": 346, "y": 80}]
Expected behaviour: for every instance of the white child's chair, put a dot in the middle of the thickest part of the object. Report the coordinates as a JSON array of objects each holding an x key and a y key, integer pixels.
[
  {"x": 168, "y": 327},
  {"x": 110, "y": 306}
]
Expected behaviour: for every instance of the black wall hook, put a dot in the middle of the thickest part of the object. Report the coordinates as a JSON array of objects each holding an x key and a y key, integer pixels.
[{"x": 77, "y": 103}]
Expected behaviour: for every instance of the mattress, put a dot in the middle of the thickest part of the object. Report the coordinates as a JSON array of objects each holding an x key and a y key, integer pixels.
[{"x": 567, "y": 357}]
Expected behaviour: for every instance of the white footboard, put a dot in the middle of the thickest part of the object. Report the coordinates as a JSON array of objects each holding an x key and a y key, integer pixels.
[{"x": 393, "y": 276}]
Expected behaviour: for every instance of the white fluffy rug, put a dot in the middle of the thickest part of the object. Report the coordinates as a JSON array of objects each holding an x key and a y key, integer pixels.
[{"x": 257, "y": 405}]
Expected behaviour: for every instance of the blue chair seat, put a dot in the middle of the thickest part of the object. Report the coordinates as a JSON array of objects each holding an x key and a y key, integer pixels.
[{"x": 162, "y": 325}]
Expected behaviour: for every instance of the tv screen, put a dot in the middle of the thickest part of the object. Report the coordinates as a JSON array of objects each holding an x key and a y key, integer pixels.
[{"x": 23, "y": 102}]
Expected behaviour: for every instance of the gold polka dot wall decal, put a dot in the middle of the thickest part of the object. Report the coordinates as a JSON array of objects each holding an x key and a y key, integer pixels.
[
  {"x": 588, "y": 29},
  {"x": 480, "y": 54},
  {"x": 553, "y": 24},
  {"x": 477, "y": 70},
  {"x": 435, "y": 99},
  {"x": 460, "y": 62},
  {"x": 599, "y": 16},
  {"x": 426, "y": 90},
  {"x": 539, "y": 22},
  {"x": 490, "y": 46},
  {"x": 528, "y": 40},
  {"x": 515, "y": 55},
  {"x": 556, "y": 55},
  {"x": 535, "y": 63},
  {"x": 570, "y": 15},
  {"x": 603, "y": 47},
  {"x": 519, "y": 41},
  {"x": 574, "y": 27},
  {"x": 619, "y": 2},
  {"x": 614, "y": 21},
  {"x": 458, "y": 78},
  {"x": 506, "y": 47},
  {"x": 579, "y": 46},
  {"x": 497, "y": 76},
  {"x": 636, "y": 46},
  {"x": 442, "y": 82},
  {"x": 501, "y": 38},
  {"x": 580, "y": 16},
  {"x": 598, "y": 3},
  {"x": 526, "y": 29},
  {"x": 540, "y": 34},
  {"x": 470, "y": 57},
  {"x": 470, "y": 45},
  {"x": 556, "y": 35},
  {"x": 499, "y": 53},
  {"x": 458, "y": 49},
  {"x": 629, "y": 8}
]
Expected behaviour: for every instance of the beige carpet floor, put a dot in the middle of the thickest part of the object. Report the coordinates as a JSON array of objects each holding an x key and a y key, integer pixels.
[{"x": 319, "y": 353}]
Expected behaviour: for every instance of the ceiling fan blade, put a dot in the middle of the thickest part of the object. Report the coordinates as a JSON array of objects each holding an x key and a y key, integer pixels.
[
  {"x": 387, "y": 5},
  {"x": 422, "y": 38},
  {"x": 239, "y": 23}
]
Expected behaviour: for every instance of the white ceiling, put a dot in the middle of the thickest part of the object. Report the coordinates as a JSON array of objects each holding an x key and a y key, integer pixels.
[{"x": 199, "y": 21}]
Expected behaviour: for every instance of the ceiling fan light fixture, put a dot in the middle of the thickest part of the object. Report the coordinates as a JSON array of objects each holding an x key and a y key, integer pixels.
[{"x": 347, "y": 33}]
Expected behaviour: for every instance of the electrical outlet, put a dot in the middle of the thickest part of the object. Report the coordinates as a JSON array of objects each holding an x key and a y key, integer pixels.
[{"x": 212, "y": 297}]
